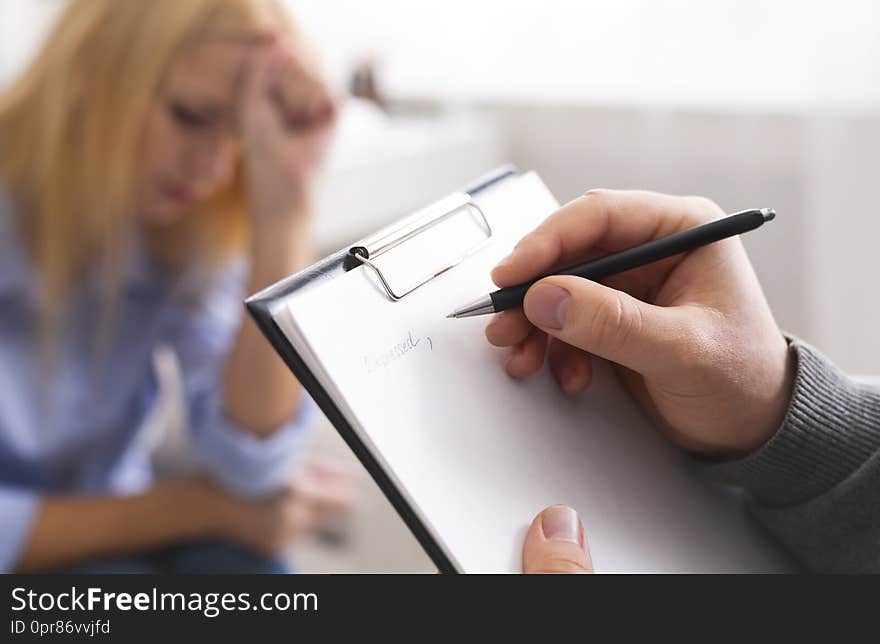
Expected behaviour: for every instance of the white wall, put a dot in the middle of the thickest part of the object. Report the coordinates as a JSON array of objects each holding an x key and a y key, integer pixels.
[
  {"x": 818, "y": 261},
  {"x": 735, "y": 54},
  {"x": 22, "y": 25},
  {"x": 842, "y": 175}
]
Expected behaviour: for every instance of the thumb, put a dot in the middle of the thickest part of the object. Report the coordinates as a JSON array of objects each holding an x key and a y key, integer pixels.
[
  {"x": 556, "y": 543},
  {"x": 259, "y": 111},
  {"x": 603, "y": 321}
]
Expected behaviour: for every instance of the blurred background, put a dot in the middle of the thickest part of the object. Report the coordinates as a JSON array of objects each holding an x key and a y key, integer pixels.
[{"x": 772, "y": 103}]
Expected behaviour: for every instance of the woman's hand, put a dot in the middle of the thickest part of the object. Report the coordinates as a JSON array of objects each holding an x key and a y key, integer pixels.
[
  {"x": 317, "y": 494},
  {"x": 72, "y": 529},
  {"x": 287, "y": 114},
  {"x": 692, "y": 336}
]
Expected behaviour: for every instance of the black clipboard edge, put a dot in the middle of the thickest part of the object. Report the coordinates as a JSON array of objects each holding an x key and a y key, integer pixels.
[{"x": 259, "y": 307}]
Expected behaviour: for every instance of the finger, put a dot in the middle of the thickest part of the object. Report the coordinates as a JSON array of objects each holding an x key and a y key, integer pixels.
[
  {"x": 324, "y": 467},
  {"x": 571, "y": 367},
  {"x": 556, "y": 544},
  {"x": 322, "y": 106},
  {"x": 257, "y": 109},
  {"x": 299, "y": 519},
  {"x": 607, "y": 219},
  {"x": 527, "y": 357},
  {"x": 326, "y": 488},
  {"x": 302, "y": 103},
  {"x": 333, "y": 497},
  {"x": 304, "y": 97},
  {"x": 612, "y": 324},
  {"x": 508, "y": 328}
]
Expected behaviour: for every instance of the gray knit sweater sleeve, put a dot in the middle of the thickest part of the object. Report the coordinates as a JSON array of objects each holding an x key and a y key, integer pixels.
[{"x": 816, "y": 483}]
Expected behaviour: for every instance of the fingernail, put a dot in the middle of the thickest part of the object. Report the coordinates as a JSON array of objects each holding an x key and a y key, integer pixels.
[
  {"x": 492, "y": 323},
  {"x": 572, "y": 385},
  {"x": 546, "y": 305},
  {"x": 566, "y": 379},
  {"x": 561, "y": 523}
]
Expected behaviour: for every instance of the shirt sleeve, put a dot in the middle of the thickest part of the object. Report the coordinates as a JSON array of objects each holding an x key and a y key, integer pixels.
[
  {"x": 814, "y": 483},
  {"x": 17, "y": 511},
  {"x": 241, "y": 461}
]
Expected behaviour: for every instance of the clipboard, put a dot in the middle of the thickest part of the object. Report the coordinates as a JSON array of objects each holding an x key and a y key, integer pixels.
[
  {"x": 756, "y": 553},
  {"x": 260, "y": 306}
]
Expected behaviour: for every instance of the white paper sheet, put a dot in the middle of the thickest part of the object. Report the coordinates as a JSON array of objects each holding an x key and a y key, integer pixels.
[{"x": 478, "y": 454}]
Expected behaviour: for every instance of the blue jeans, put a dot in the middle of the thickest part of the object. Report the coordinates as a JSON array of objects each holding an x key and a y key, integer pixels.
[{"x": 199, "y": 557}]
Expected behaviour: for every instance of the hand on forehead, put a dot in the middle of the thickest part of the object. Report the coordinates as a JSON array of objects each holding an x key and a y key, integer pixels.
[
  {"x": 209, "y": 75},
  {"x": 287, "y": 71}
]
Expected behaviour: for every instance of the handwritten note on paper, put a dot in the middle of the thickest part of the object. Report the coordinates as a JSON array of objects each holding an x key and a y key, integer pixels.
[{"x": 397, "y": 351}]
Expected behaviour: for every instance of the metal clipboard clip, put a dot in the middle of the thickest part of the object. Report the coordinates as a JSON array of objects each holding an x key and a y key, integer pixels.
[{"x": 458, "y": 204}]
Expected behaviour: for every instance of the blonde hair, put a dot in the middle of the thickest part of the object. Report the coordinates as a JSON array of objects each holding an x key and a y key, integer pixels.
[{"x": 71, "y": 130}]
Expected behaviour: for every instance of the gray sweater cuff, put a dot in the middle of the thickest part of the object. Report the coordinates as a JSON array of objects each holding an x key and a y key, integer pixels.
[{"x": 831, "y": 428}]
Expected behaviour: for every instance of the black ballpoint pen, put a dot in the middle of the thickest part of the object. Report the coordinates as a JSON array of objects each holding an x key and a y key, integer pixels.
[{"x": 652, "y": 251}]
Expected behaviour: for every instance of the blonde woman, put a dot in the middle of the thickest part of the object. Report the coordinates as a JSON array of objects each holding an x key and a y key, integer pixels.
[{"x": 156, "y": 160}]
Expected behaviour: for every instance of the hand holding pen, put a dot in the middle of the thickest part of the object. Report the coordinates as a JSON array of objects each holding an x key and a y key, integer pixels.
[{"x": 691, "y": 334}]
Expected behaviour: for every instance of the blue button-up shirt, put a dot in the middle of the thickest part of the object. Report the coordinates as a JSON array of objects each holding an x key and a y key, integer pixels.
[{"x": 79, "y": 426}]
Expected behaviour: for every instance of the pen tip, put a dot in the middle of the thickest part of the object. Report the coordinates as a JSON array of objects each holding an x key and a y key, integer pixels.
[
  {"x": 768, "y": 213},
  {"x": 451, "y": 315}
]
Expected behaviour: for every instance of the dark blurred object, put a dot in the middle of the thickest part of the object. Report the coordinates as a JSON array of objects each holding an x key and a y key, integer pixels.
[{"x": 363, "y": 83}]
